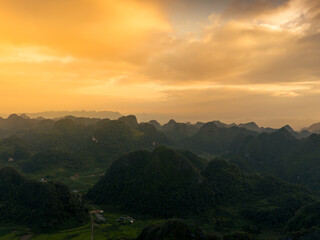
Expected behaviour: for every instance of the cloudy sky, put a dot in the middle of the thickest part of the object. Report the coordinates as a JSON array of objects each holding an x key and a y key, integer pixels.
[{"x": 233, "y": 60}]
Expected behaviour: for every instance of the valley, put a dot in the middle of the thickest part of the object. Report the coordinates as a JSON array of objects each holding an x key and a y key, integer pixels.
[{"x": 147, "y": 172}]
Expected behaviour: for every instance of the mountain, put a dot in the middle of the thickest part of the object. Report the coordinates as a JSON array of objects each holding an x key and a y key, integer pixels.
[
  {"x": 156, "y": 124},
  {"x": 112, "y": 138},
  {"x": 265, "y": 151},
  {"x": 130, "y": 120},
  {"x": 78, "y": 120},
  {"x": 73, "y": 143},
  {"x": 302, "y": 166},
  {"x": 15, "y": 123},
  {"x": 288, "y": 128},
  {"x": 163, "y": 182},
  {"x": 178, "y": 131},
  {"x": 77, "y": 143},
  {"x": 304, "y": 134},
  {"x": 85, "y": 114},
  {"x": 42, "y": 206},
  {"x": 220, "y": 124},
  {"x": 169, "y": 183},
  {"x": 252, "y": 126},
  {"x": 199, "y": 124},
  {"x": 301, "y": 134},
  {"x": 213, "y": 139},
  {"x": 282, "y": 155},
  {"x": 314, "y": 128}
]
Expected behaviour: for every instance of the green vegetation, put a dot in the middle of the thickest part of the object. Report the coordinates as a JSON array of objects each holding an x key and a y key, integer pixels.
[
  {"x": 308, "y": 234},
  {"x": 237, "y": 197},
  {"x": 48, "y": 147},
  {"x": 170, "y": 183},
  {"x": 42, "y": 206},
  {"x": 163, "y": 183},
  {"x": 213, "y": 139},
  {"x": 71, "y": 143},
  {"x": 174, "y": 229},
  {"x": 281, "y": 155},
  {"x": 306, "y": 218},
  {"x": 109, "y": 230},
  {"x": 178, "y": 131}
]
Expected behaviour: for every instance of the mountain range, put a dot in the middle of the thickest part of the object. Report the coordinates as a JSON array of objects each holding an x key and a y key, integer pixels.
[{"x": 229, "y": 176}]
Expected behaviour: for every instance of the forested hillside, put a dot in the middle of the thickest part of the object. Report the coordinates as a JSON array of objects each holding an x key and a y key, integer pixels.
[
  {"x": 42, "y": 206},
  {"x": 35, "y": 145},
  {"x": 75, "y": 143},
  {"x": 170, "y": 183},
  {"x": 282, "y": 155},
  {"x": 239, "y": 183}
]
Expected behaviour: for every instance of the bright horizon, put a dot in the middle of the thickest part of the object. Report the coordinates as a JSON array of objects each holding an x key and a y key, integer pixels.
[
  {"x": 296, "y": 124},
  {"x": 231, "y": 60}
]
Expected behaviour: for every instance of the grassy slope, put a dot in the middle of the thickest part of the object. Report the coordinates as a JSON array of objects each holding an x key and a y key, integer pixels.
[
  {"x": 109, "y": 230},
  {"x": 87, "y": 177}
]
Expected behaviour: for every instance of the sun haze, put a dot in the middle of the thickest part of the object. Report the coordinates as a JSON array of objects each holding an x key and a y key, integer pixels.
[{"x": 192, "y": 60}]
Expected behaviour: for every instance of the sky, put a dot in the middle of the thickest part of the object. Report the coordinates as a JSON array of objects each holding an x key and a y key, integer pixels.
[{"x": 232, "y": 60}]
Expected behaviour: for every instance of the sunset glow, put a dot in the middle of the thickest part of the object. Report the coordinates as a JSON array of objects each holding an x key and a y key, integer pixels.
[{"x": 228, "y": 60}]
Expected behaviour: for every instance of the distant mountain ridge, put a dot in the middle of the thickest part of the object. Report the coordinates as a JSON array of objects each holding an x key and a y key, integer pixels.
[
  {"x": 314, "y": 128},
  {"x": 35, "y": 145},
  {"x": 87, "y": 114},
  {"x": 175, "y": 130},
  {"x": 170, "y": 128}
]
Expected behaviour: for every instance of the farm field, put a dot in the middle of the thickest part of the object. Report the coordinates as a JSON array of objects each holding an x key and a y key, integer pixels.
[{"x": 110, "y": 230}]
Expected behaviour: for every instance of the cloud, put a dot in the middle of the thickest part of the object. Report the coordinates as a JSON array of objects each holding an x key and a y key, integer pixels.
[
  {"x": 102, "y": 29},
  {"x": 232, "y": 104},
  {"x": 207, "y": 59},
  {"x": 262, "y": 49},
  {"x": 248, "y": 9}
]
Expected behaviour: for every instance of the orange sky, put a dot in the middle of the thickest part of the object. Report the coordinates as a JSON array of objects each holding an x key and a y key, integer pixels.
[{"x": 233, "y": 60}]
